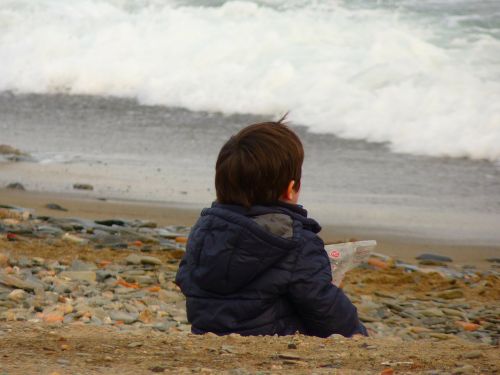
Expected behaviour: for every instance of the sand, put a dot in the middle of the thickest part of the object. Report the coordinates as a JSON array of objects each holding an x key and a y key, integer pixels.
[
  {"x": 37, "y": 347},
  {"x": 85, "y": 206}
]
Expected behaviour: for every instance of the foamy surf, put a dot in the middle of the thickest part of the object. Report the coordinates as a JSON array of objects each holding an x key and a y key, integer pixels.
[{"x": 376, "y": 73}]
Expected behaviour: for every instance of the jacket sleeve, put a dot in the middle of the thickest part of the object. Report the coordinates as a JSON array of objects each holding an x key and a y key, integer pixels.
[{"x": 323, "y": 308}]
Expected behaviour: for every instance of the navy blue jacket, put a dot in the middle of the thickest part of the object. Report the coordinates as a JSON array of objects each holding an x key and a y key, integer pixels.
[{"x": 262, "y": 271}]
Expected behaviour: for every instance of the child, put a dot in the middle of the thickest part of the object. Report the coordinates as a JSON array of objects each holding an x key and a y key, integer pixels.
[{"x": 254, "y": 264}]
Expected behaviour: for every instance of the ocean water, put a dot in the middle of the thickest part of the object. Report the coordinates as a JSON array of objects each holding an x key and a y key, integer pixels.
[
  {"x": 397, "y": 103},
  {"x": 156, "y": 153},
  {"x": 422, "y": 77}
]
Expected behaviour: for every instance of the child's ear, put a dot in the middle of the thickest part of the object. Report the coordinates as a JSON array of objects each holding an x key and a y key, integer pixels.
[{"x": 289, "y": 193}]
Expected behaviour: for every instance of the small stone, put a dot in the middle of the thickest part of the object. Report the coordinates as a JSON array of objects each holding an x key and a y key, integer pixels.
[
  {"x": 292, "y": 345},
  {"x": 453, "y": 312},
  {"x": 428, "y": 262},
  {"x": 9, "y": 150},
  {"x": 72, "y": 238},
  {"x": 451, "y": 294},
  {"x": 89, "y": 276},
  {"x": 18, "y": 295},
  {"x": 83, "y": 187},
  {"x": 473, "y": 354},
  {"x": 127, "y": 318},
  {"x": 228, "y": 349},
  {"x": 493, "y": 260},
  {"x": 384, "y": 294},
  {"x": 157, "y": 369},
  {"x": 164, "y": 326},
  {"x": 111, "y": 222},
  {"x": 150, "y": 260},
  {"x": 133, "y": 259},
  {"x": 55, "y": 206},
  {"x": 37, "y": 261},
  {"x": 435, "y": 257},
  {"x": 146, "y": 316},
  {"x": 432, "y": 312},
  {"x": 135, "y": 344},
  {"x": 15, "y": 186},
  {"x": 289, "y": 355},
  {"x": 419, "y": 329},
  {"x": 18, "y": 283}
]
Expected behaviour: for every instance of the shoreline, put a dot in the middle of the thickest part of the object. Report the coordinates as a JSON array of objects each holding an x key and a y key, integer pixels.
[
  {"x": 66, "y": 282},
  {"x": 404, "y": 248}
]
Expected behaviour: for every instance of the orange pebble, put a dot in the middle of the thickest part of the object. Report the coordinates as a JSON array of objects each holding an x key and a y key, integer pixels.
[
  {"x": 468, "y": 326},
  {"x": 387, "y": 371},
  {"x": 127, "y": 284},
  {"x": 155, "y": 288},
  {"x": 181, "y": 239},
  {"x": 377, "y": 263},
  {"x": 104, "y": 263},
  {"x": 137, "y": 243},
  {"x": 53, "y": 318}
]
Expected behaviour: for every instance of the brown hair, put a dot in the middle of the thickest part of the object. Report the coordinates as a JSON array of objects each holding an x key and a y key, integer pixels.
[{"x": 256, "y": 165}]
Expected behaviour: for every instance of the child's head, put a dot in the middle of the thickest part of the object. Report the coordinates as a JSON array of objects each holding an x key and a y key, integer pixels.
[{"x": 261, "y": 164}]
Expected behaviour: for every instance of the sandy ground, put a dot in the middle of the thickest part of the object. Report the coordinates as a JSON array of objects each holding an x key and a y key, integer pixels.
[
  {"x": 79, "y": 205},
  {"x": 38, "y": 348}
]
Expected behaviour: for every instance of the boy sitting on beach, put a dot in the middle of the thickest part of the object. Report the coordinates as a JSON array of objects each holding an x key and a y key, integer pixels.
[{"x": 254, "y": 264}]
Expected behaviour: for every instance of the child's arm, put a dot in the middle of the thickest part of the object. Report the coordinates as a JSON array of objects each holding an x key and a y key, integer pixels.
[{"x": 323, "y": 307}]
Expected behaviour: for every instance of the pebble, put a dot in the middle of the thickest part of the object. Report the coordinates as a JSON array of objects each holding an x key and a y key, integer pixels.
[
  {"x": 493, "y": 260},
  {"x": 451, "y": 294},
  {"x": 89, "y": 276},
  {"x": 16, "y": 186},
  {"x": 135, "y": 344},
  {"x": 18, "y": 295},
  {"x": 72, "y": 238},
  {"x": 55, "y": 206},
  {"x": 80, "y": 186},
  {"x": 432, "y": 312},
  {"x": 473, "y": 354},
  {"x": 10, "y": 280},
  {"x": 289, "y": 355},
  {"x": 127, "y": 318},
  {"x": 139, "y": 292},
  {"x": 434, "y": 257}
]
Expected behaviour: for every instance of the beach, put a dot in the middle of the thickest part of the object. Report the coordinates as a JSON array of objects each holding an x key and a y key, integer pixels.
[
  {"x": 79, "y": 205},
  {"x": 90, "y": 290},
  {"x": 112, "y": 114}
]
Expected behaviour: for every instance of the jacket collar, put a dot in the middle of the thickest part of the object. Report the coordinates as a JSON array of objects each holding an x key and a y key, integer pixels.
[{"x": 295, "y": 211}]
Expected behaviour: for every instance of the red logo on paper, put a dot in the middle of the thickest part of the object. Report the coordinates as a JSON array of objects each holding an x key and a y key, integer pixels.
[{"x": 334, "y": 254}]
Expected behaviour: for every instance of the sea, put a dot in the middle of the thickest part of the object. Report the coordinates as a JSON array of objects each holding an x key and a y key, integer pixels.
[{"x": 397, "y": 102}]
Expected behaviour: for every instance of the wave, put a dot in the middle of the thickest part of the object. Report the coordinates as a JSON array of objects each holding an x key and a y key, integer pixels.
[{"x": 363, "y": 73}]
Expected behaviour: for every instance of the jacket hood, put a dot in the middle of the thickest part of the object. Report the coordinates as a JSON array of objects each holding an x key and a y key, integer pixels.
[{"x": 233, "y": 245}]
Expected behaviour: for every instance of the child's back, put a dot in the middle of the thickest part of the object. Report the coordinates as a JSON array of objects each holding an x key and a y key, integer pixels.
[{"x": 254, "y": 264}]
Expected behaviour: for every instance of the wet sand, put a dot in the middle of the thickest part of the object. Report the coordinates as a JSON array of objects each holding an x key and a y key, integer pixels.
[{"x": 85, "y": 206}]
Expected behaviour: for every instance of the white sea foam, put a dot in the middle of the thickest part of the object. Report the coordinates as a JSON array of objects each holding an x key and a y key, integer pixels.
[{"x": 369, "y": 74}]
